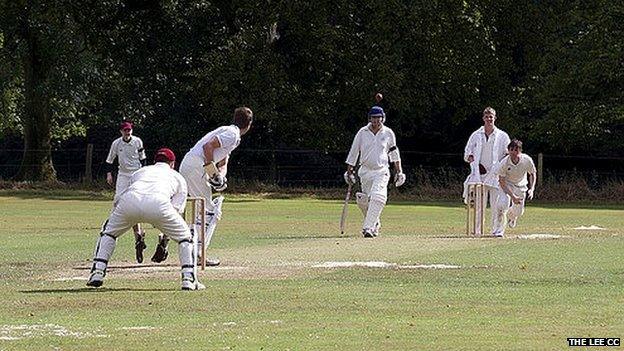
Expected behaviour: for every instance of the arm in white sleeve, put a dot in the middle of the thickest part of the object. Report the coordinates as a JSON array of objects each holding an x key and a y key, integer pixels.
[
  {"x": 355, "y": 151},
  {"x": 470, "y": 147},
  {"x": 142, "y": 155},
  {"x": 503, "y": 147},
  {"x": 112, "y": 153},
  {"x": 178, "y": 200},
  {"x": 393, "y": 151}
]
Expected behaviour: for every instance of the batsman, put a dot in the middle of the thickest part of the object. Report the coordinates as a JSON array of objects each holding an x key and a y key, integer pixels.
[
  {"x": 204, "y": 168},
  {"x": 375, "y": 146}
]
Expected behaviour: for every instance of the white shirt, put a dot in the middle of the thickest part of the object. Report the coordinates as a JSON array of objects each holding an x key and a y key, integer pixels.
[
  {"x": 229, "y": 137},
  {"x": 476, "y": 146},
  {"x": 130, "y": 154},
  {"x": 372, "y": 148},
  {"x": 160, "y": 179},
  {"x": 516, "y": 174},
  {"x": 486, "y": 155}
]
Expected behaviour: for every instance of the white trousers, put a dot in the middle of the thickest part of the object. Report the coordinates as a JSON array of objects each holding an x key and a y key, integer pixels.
[
  {"x": 375, "y": 186},
  {"x": 505, "y": 209},
  {"x": 192, "y": 169},
  {"x": 134, "y": 208},
  {"x": 122, "y": 183},
  {"x": 375, "y": 183}
]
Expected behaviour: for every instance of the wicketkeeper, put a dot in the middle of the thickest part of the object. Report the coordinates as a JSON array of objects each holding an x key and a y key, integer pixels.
[
  {"x": 517, "y": 177},
  {"x": 204, "y": 167},
  {"x": 485, "y": 148},
  {"x": 156, "y": 195},
  {"x": 375, "y": 145},
  {"x": 130, "y": 154}
]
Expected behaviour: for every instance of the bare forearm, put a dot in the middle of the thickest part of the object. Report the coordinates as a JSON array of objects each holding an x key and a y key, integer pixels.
[
  {"x": 397, "y": 167},
  {"x": 532, "y": 178}
]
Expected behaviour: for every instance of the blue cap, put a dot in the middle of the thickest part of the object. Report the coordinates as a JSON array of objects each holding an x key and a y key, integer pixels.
[{"x": 376, "y": 111}]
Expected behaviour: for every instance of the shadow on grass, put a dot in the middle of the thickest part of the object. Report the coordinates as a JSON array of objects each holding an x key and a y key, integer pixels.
[
  {"x": 345, "y": 236},
  {"x": 60, "y": 195},
  {"x": 130, "y": 266},
  {"x": 92, "y": 290},
  {"x": 240, "y": 200}
]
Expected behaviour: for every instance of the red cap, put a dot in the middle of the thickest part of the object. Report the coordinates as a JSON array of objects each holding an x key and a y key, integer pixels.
[
  {"x": 125, "y": 125},
  {"x": 164, "y": 155}
]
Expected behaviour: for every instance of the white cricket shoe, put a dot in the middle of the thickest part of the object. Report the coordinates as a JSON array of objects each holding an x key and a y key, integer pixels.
[
  {"x": 188, "y": 284},
  {"x": 368, "y": 233},
  {"x": 376, "y": 229},
  {"x": 497, "y": 234},
  {"x": 96, "y": 279}
]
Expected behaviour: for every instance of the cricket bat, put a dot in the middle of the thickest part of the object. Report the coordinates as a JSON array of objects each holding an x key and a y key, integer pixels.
[{"x": 345, "y": 208}]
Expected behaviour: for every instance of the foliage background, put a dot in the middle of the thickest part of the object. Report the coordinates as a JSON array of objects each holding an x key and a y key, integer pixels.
[{"x": 553, "y": 70}]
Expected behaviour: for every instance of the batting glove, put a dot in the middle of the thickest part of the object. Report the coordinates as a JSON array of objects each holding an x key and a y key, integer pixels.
[
  {"x": 217, "y": 180},
  {"x": 530, "y": 194},
  {"x": 211, "y": 169},
  {"x": 349, "y": 178},
  {"x": 222, "y": 187},
  {"x": 399, "y": 179}
]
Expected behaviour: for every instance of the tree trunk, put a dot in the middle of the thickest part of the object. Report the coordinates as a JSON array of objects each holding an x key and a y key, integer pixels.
[{"x": 37, "y": 160}]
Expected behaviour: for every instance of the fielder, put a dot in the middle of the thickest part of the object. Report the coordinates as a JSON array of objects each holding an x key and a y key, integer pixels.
[
  {"x": 486, "y": 147},
  {"x": 131, "y": 156},
  {"x": 517, "y": 177},
  {"x": 205, "y": 167},
  {"x": 157, "y": 195},
  {"x": 375, "y": 144}
]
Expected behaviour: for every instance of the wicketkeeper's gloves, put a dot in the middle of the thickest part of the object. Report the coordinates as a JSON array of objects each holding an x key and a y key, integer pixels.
[
  {"x": 139, "y": 246},
  {"x": 161, "y": 250}
]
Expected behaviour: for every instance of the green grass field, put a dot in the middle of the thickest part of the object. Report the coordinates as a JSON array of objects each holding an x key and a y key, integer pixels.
[{"x": 274, "y": 290}]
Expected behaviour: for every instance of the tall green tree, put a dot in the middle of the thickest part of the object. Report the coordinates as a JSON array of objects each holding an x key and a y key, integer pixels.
[
  {"x": 46, "y": 64},
  {"x": 581, "y": 85}
]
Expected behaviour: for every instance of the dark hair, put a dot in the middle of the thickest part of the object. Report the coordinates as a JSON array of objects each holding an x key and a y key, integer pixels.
[
  {"x": 515, "y": 143},
  {"x": 243, "y": 117}
]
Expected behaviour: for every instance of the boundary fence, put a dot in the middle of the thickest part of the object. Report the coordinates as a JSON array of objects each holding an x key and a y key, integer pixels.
[{"x": 296, "y": 168}]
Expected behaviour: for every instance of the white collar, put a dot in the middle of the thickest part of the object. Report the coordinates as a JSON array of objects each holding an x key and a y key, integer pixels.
[
  {"x": 383, "y": 126},
  {"x": 482, "y": 130}
]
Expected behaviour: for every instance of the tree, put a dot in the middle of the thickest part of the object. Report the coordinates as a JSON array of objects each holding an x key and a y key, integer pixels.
[{"x": 47, "y": 64}]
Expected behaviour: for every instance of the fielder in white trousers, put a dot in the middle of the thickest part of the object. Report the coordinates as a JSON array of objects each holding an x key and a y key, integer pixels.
[{"x": 517, "y": 176}]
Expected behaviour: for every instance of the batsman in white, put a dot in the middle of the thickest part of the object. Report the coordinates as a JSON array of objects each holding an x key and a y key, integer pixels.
[
  {"x": 517, "y": 177},
  {"x": 375, "y": 145},
  {"x": 129, "y": 151},
  {"x": 156, "y": 195},
  {"x": 204, "y": 167},
  {"x": 486, "y": 147}
]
